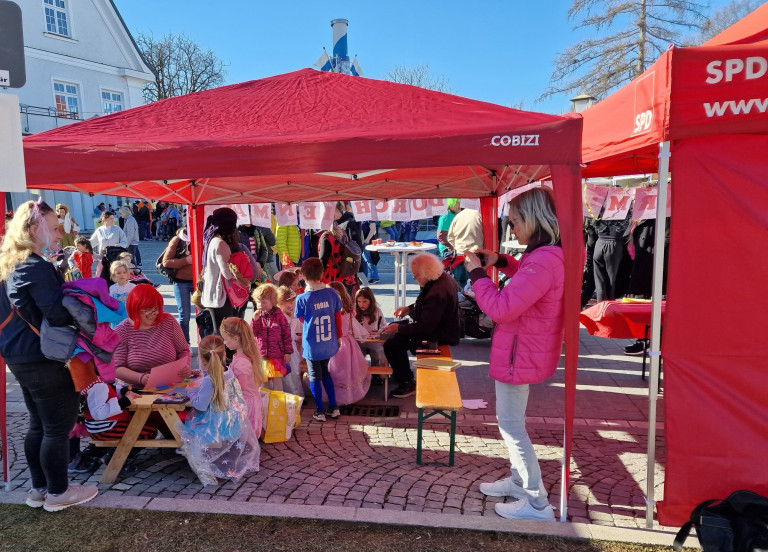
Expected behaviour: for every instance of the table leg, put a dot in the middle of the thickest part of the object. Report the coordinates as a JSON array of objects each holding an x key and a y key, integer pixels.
[
  {"x": 132, "y": 433},
  {"x": 396, "y": 256},
  {"x": 453, "y": 437},
  {"x": 404, "y": 277},
  {"x": 418, "y": 435},
  {"x": 170, "y": 417}
]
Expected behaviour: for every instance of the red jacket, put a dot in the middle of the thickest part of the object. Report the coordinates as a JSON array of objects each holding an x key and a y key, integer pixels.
[
  {"x": 528, "y": 313},
  {"x": 84, "y": 262},
  {"x": 273, "y": 333}
]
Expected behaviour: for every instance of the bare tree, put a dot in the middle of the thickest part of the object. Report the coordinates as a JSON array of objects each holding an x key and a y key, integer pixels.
[
  {"x": 181, "y": 66},
  {"x": 722, "y": 19},
  {"x": 640, "y": 31},
  {"x": 419, "y": 76}
]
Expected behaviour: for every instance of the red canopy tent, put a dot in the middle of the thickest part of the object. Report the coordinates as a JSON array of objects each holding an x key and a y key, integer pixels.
[
  {"x": 707, "y": 105},
  {"x": 313, "y": 136}
]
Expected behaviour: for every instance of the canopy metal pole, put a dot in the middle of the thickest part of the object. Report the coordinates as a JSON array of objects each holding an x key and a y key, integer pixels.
[{"x": 655, "y": 353}]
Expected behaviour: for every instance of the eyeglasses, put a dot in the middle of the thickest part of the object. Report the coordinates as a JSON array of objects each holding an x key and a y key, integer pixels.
[{"x": 153, "y": 310}]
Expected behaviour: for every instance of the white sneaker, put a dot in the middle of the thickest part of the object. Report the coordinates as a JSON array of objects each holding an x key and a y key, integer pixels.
[
  {"x": 503, "y": 487},
  {"x": 522, "y": 509},
  {"x": 75, "y": 494}
]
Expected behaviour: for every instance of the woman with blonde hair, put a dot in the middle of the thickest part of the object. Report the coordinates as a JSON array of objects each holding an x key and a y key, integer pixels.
[
  {"x": 434, "y": 318},
  {"x": 32, "y": 295},
  {"x": 527, "y": 341}
]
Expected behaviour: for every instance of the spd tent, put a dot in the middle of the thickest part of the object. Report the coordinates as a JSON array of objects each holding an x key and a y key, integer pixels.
[
  {"x": 314, "y": 136},
  {"x": 707, "y": 105}
]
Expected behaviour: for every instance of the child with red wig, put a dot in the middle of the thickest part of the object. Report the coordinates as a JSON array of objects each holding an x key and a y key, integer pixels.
[{"x": 149, "y": 338}]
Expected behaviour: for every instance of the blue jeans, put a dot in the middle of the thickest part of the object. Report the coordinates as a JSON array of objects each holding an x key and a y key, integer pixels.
[
  {"x": 183, "y": 292},
  {"x": 370, "y": 270},
  {"x": 393, "y": 232},
  {"x": 511, "y": 402},
  {"x": 52, "y": 404},
  {"x": 144, "y": 231},
  {"x": 134, "y": 251}
]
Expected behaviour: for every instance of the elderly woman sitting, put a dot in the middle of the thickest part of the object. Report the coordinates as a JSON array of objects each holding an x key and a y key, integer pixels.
[
  {"x": 434, "y": 317},
  {"x": 150, "y": 339}
]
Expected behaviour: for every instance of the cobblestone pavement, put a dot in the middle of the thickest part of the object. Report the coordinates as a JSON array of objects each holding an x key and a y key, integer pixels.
[{"x": 366, "y": 462}]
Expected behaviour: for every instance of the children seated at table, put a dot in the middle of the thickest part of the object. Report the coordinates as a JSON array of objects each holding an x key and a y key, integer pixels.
[
  {"x": 106, "y": 419},
  {"x": 319, "y": 309},
  {"x": 372, "y": 319},
  {"x": 286, "y": 300},
  {"x": 273, "y": 334},
  {"x": 246, "y": 365},
  {"x": 217, "y": 436},
  {"x": 348, "y": 366}
]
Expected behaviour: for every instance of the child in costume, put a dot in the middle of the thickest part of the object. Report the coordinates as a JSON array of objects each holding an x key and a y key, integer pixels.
[
  {"x": 348, "y": 366},
  {"x": 246, "y": 365},
  {"x": 273, "y": 334},
  {"x": 286, "y": 300},
  {"x": 217, "y": 437}
]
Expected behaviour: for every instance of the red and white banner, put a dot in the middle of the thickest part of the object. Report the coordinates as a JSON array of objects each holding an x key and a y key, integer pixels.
[
  {"x": 316, "y": 215},
  {"x": 470, "y": 203},
  {"x": 261, "y": 214},
  {"x": 397, "y": 209},
  {"x": 243, "y": 213},
  {"x": 617, "y": 203},
  {"x": 646, "y": 203},
  {"x": 593, "y": 197},
  {"x": 286, "y": 214}
]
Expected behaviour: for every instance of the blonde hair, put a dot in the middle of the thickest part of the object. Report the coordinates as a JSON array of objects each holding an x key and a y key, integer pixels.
[
  {"x": 536, "y": 210},
  {"x": 18, "y": 242},
  {"x": 265, "y": 291},
  {"x": 427, "y": 265},
  {"x": 238, "y": 328},
  {"x": 117, "y": 264},
  {"x": 347, "y": 305},
  {"x": 212, "y": 354}
]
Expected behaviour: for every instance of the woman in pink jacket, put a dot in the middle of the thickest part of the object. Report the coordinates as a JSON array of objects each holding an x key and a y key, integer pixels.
[{"x": 527, "y": 340}]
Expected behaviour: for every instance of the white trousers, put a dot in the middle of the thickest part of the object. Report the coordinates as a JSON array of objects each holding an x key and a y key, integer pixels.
[{"x": 511, "y": 402}]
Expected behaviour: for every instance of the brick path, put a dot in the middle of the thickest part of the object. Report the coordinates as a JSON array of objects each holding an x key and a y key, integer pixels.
[{"x": 370, "y": 462}]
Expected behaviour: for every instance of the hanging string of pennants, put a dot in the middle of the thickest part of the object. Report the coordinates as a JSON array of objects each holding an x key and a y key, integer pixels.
[
  {"x": 318, "y": 215},
  {"x": 617, "y": 202}
]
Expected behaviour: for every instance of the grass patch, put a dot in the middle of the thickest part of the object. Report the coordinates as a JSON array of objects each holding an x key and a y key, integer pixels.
[{"x": 113, "y": 530}]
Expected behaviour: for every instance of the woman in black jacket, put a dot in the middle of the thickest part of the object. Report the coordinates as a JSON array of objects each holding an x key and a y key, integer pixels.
[
  {"x": 434, "y": 315},
  {"x": 31, "y": 293}
]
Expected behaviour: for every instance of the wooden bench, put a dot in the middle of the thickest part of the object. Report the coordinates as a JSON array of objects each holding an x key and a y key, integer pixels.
[
  {"x": 437, "y": 392},
  {"x": 142, "y": 408},
  {"x": 384, "y": 372}
]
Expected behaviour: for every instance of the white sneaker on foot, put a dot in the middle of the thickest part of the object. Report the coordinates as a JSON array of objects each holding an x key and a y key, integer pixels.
[
  {"x": 75, "y": 494},
  {"x": 503, "y": 487},
  {"x": 36, "y": 497},
  {"x": 522, "y": 509}
]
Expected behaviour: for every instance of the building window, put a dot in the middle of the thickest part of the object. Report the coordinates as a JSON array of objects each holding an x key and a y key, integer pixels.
[
  {"x": 56, "y": 17},
  {"x": 111, "y": 102},
  {"x": 67, "y": 99}
]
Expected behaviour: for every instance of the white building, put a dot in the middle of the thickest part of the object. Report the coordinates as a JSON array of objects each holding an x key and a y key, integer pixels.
[{"x": 81, "y": 62}]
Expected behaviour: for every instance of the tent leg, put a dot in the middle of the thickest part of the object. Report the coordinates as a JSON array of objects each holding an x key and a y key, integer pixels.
[{"x": 653, "y": 377}]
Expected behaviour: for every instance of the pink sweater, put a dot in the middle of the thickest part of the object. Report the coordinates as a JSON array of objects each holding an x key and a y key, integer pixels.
[
  {"x": 528, "y": 313},
  {"x": 273, "y": 333}
]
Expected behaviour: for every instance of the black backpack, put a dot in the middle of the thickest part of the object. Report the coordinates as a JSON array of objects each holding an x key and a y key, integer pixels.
[
  {"x": 351, "y": 255},
  {"x": 170, "y": 273},
  {"x": 737, "y": 524}
]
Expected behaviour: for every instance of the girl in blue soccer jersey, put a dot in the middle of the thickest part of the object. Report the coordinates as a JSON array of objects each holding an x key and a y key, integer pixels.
[{"x": 320, "y": 311}]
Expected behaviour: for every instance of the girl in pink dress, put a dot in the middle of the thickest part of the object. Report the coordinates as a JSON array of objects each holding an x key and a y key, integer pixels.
[
  {"x": 348, "y": 367},
  {"x": 246, "y": 365}
]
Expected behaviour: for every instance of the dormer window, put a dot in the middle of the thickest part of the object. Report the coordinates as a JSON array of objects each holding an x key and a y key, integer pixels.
[{"x": 56, "y": 20}]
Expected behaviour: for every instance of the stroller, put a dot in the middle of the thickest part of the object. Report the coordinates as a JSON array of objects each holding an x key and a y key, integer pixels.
[
  {"x": 473, "y": 321},
  {"x": 112, "y": 254}
]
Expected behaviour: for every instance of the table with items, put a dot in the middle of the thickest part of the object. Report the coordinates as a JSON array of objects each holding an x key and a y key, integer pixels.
[{"x": 401, "y": 250}]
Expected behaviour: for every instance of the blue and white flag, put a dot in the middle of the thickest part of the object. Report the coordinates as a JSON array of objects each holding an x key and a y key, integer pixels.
[
  {"x": 356, "y": 70},
  {"x": 324, "y": 62}
]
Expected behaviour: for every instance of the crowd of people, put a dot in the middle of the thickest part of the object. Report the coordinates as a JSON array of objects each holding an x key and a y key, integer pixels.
[{"x": 315, "y": 314}]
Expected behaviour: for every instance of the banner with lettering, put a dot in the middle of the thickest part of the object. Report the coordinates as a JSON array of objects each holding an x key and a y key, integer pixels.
[
  {"x": 286, "y": 214},
  {"x": 646, "y": 203},
  {"x": 363, "y": 210},
  {"x": 316, "y": 215},
  {"x": 593, "y": 199},
  {"x": 400, "y": 209},
  {"x": 261, "y": 215},
  {"x": 243, "y": 214},
  {"x": 617, "y": 203},
  {"x": 470, "y": 203}
]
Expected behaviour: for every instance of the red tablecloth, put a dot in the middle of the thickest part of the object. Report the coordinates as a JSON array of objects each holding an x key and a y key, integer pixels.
[{"x": 618, "y": 320}]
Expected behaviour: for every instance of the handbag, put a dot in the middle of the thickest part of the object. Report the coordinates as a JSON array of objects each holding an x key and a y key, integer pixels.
[{"x": 236, "y": 292}]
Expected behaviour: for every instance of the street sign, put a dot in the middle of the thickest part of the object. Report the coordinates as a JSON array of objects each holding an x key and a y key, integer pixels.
[{"x": 13, "y": 73}]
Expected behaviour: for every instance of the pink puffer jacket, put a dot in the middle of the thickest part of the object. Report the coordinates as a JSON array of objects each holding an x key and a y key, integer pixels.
[{"x": 528, "y": 313}]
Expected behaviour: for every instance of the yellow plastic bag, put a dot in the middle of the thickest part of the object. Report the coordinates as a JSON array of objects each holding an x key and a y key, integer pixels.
[{"x": 281, "y": 413}]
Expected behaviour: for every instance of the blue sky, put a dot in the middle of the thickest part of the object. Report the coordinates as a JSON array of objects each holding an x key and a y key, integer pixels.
[{"x": 499, "y": 51}]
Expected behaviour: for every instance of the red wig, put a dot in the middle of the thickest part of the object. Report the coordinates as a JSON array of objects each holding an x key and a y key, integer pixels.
[{"x": 144, "y": 296}]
